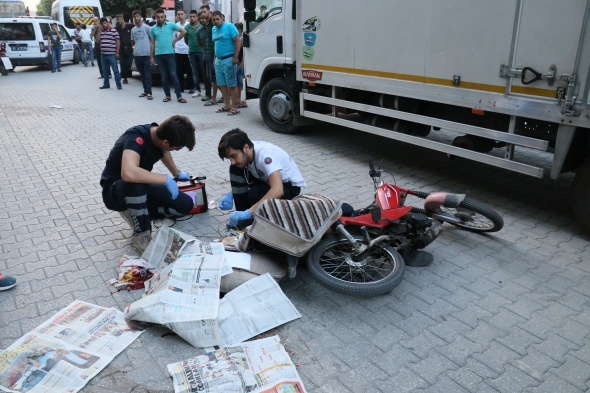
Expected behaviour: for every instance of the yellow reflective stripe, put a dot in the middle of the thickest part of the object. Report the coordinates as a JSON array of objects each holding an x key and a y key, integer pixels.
[{"x": 435, "y": 81}]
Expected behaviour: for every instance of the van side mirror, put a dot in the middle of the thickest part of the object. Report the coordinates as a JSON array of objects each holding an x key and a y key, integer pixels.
[
  {"x": 245, "y": 40},
  {"x": 249, "y": 4}
]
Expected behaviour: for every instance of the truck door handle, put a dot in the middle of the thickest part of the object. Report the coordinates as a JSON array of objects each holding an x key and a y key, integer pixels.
[{"x": 280, "y": 44}]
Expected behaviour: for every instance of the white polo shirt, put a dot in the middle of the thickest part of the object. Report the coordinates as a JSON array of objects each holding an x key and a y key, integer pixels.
[{"x": 269, "y": 158}]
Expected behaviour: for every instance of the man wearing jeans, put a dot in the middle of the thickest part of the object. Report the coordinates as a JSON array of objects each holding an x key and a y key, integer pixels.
[
  {"x": 140, "y": 37},
  {"x": 54, "y": 43},
  {"x": 86, "y": 44},
  {"x": 205, "y": 38},
  {"x": 194, "y": 50},
  {"x": 227, "y": 49},
  {"x": 109, "y": 47},
  {"x": 162, "y": 51}
]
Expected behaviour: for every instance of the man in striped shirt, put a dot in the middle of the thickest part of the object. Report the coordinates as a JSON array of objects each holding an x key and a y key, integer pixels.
[{"x": 109, "y": 46}]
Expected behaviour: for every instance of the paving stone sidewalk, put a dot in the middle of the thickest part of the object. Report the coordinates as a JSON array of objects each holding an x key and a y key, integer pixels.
[{"x": 506, "y": 312}]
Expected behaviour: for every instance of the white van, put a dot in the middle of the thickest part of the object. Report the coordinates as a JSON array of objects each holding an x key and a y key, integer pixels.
[
  {"x": 70, "y": 12},
  {"x": 26, "y": 41}
]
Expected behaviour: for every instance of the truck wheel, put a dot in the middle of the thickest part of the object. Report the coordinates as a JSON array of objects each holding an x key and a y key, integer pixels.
[
  {"x": 276, "y": 106},
  {"x": 581, "y": 195},
  {"x": 76, "y": 56},
  {"x": 3, "y": 70}
]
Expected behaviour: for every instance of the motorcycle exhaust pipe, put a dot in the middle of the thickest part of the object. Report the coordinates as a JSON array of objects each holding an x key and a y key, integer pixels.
[{"x": 445, "y": 199}]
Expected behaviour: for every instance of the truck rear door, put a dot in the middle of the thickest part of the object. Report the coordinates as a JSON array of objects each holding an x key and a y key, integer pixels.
[{"x": 545, "y": 40}]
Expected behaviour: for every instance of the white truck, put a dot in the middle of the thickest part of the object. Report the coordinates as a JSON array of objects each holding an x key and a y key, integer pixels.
[{"x": 490, "y": 81}]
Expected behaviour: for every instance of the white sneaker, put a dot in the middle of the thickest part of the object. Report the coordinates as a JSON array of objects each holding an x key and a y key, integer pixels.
[{"x": 197, "y": 93}]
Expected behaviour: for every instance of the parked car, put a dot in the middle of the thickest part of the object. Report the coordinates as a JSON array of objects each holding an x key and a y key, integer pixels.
[{"x": 26, "y": 42}]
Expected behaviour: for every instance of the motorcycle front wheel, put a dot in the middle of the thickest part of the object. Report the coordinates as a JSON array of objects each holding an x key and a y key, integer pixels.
[
  {"x": 377, "y": 273},
  {"x": 470, "y": 215}
]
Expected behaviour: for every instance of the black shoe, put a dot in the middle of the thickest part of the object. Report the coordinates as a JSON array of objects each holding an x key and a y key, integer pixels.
[
  {"x": 120, "y": 87},
  {"x": 104, "y": 87},
  {"x": 206, "y": 98},
  {"x": 101, "y": 77},
  {"x": 52, "y": 70},
  {"x": 125, "y": 81},
  {"x": 191, "y": 91},
  {"x": 59, "y": 70},
  {"x": 92, "y": 63}
]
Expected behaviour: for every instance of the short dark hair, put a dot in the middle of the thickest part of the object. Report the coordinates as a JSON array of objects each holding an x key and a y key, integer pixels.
[
  {"x": 159, "y": 11},
  {"x": 193, "y": 12},
  {"x": 233, "y": 139},
  {"x": 103, "y": 19},
  {"x": 239, "y": 26},
  {"x": 205, "y": 6},
  {"x": 217, "y": 13},
  {"x": 136, "y": 12},
  {"x": 119, "y": 15},
  {"x": 178, "y": 131}
]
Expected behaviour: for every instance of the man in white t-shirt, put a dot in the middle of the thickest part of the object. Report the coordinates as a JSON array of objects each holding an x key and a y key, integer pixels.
[
  {"x": 86, "y": 43},
  {"x": 183, "y": 65},
  {"x": 258, "y": 171}
]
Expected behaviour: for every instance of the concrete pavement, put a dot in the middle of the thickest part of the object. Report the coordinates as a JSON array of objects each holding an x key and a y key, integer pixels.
[{"x": 505, "y": 312}]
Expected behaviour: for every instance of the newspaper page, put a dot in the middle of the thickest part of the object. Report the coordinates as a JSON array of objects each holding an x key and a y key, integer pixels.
[
  {"x": 213, "y": 248},
  {"x": 184, "y": 297},
  {"x": 66, "y": 351},
  {"x": 259, "y": 366},
  {"x": 170, "y": 244},
  {"x": 252, "y": 308}
]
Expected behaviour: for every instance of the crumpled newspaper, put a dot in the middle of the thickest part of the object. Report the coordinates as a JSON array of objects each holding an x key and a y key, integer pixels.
[{"x": 133, "y": 273}]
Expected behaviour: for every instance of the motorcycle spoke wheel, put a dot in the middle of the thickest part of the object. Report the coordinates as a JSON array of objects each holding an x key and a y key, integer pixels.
[
  {"x": 471, "y": 215},
  {"x": 377, "y": 273}
]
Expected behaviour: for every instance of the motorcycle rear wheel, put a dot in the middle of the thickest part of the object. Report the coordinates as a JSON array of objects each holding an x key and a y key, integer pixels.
[
  {"x": 378, "y": 273},
  {"x": 470, "y": 215}
]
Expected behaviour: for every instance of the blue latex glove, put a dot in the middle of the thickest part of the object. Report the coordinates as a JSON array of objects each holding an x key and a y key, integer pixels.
[
  {"x": 226, "y": 202},
  {"x": 183, "y": 176},
  {"x": 171, "y": 186},
  {"x": 239, "y": 216}
]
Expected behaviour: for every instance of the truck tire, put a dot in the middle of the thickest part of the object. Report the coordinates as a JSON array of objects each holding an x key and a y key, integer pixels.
[
  {"x": 76, "y": 56},
  {"x": 581, "y": 196},
  {"x": 3, "y": 70},
  {"x": 276, "y": 106}
]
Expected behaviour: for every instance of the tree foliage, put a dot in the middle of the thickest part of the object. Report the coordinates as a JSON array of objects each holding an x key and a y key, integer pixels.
[
  {"x": 44, "y": 7},
  {"x": 113, "y": 7}
]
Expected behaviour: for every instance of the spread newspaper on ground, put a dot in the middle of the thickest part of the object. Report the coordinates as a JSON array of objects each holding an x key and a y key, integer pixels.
[
  {"x": 259, "y": 366},
  {"x": 254, "y": 307},
  {"x": 65, "y": 352},
  {"x": 184, "y": 297}
]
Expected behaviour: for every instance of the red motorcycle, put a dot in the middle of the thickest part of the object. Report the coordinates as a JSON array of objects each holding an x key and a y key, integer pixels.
[{"x": 367, "y": 250}]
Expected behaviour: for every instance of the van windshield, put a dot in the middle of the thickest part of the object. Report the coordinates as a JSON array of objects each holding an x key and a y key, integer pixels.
[
  {"x": 17, "y": 32},
  {"x": 83, "y": 14}
]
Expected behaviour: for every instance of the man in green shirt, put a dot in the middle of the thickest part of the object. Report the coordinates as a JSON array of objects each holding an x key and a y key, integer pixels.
[
  {"x": 195, "y": 50},
  {"x": 205, "y": 37}
]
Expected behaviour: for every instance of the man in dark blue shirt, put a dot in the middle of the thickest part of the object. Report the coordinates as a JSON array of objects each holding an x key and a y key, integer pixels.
[{"x": 130, "y": 187}]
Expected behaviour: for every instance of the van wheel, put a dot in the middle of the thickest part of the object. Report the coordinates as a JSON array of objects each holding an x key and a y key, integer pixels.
[
  {"x": 76, "y": 56},
  {"x": 3, "y": 70}
]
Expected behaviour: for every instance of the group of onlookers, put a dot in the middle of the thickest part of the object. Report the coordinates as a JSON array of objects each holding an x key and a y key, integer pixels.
[{"x": 203, "y": 50}]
